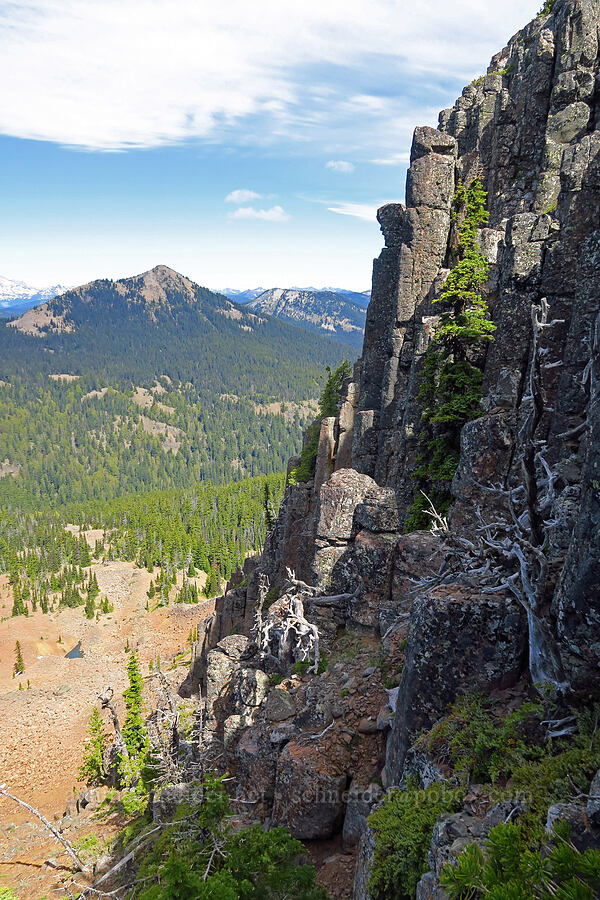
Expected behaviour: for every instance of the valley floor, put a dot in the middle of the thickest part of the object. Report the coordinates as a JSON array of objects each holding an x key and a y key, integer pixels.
[{"x": 42, "y": 728}]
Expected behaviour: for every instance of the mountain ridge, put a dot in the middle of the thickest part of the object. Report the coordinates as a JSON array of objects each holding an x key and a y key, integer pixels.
[
  {"x": 321, "y": 311},
  {"x": 246, "y": 296},
  {"x": 18, "y": 296}
]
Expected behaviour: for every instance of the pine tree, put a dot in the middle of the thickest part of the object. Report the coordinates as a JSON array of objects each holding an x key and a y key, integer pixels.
[
  {"x": 84, "y": 553},
  {"x": 212, "y": 586},
  {"x": 19, "y": 662},
  {"x": 90, "y": 608},
  {"x": 134, "y": 730},
  {"x": 92, "y": 770},
  {"x": 19, "y": 608}
]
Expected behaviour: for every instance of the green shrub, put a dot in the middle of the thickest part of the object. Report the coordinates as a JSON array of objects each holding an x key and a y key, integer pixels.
[
  {"x": 508, "y": 870},
  {"x": 303, "y": 665},
  {"x": 509, "y": 752},
  {"x": 249, "y": 864},
  {"x": 88, "y": 847},
  {"x": 481, "y": 746},
  {"x": 547, "y": 8},
  {"x": 403, "y": 826}
]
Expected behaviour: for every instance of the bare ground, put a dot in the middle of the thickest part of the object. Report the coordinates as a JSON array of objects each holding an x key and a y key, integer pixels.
[{"x": 42, "y": 728}]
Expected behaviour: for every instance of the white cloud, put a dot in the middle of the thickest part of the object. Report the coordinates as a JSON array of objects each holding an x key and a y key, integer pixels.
[
  {"x": 358, "y": 210},
  {"x": 242, "y": 196},
  {"x": 274, "y": 214},
  {"x": 113, "y": 75},
  {"x": 340, "y": 165},
  {"x": 394, "y": 159}
]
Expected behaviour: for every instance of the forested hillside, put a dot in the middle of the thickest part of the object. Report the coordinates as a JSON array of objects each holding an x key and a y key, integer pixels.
[
  {"x": 208, "y": 528},
  {"x": 149, "y": 383}
]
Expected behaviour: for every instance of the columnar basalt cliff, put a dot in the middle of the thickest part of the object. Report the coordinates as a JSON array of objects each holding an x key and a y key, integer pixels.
[{"x": 510, "y": 590}]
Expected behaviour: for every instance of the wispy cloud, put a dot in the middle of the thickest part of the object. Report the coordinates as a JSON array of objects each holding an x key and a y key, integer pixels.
[
  {"x": 274, "y": 214},
  {"x": 242, "y": 196},
  {"x": 394, "y": 159},
  {"x": 114, "y": 75},
  {"x": 340, "y": 165},
  {"x": 359, "y": 210}
]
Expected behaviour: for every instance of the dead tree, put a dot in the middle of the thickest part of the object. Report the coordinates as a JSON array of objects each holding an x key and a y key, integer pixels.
[
  {"x": 106, "y": 701},
  {"x": 285, "y": 629},
  {"x": 5, "y": 792}
]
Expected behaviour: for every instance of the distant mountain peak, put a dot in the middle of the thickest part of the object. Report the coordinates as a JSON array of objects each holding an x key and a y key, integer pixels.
[
  {"x": 326, "y": 312},
  {"x": 159, "y": 291},
  {"x": 17, "y": 296},
  {"x": 246, "y": 296}
]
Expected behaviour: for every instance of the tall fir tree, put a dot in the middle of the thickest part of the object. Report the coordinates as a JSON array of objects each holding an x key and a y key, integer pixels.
[
  {"x": 134, "y": 730},
  {"x": 92, "y": 767},
  {"x": 19, "y": 662}
]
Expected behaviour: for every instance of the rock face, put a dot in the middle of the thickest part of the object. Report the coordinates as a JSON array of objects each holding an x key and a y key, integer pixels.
[
  {"x": 426, "y": 604},
  {"x": 457, "y": 637}
]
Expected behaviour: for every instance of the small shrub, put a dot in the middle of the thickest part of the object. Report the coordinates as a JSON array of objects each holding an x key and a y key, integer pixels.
[
  {"x": 483, "y": 747},
  {"x": 88, "y": 847},
  {"x": 508, "y": 869},
  {"x": 403, "y": 826},
  {"x": 251, "y": 864}
]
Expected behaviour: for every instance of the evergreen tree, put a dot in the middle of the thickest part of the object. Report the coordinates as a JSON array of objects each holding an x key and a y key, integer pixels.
[
  {"x": 328, "y": 405},
  {"x": 84, "y": 553},
  {"x": 92, "y": 769},
  {"x": 212, "y": 586},
  {"x": 18, "y": 608},
  {"x": 134, "y": 730},
  {"x": 453, "y": 367},
  {"x": 90, "y": 607},
  {"x": 19, "y": 662}
]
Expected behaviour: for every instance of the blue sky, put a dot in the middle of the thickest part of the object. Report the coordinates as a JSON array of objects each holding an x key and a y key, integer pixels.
[{"x": 128, "y": 131}]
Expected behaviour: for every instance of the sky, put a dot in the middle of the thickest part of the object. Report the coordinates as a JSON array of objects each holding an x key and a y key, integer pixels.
[{"x": 242, "y": 144}]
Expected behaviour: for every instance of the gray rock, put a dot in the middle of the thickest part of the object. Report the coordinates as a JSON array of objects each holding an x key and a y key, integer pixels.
[
  {"x": 280, "y": 705},
  {"x": 364, "y": 863},
  {"x": 457, "y": 637},
  {"x": 593, "y": 804},
  {"x": 360, "y": 802},
  {"x": 166, "y": 801}
]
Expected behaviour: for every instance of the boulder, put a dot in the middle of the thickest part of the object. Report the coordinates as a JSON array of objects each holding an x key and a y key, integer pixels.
[
  {"x": 309, "y": 793},
  {"x": 280, "y": 705},
  {"x": 166, "y": 801},
  {"x": 457, "y": 638},
  {"x": 360, "y": 803}
]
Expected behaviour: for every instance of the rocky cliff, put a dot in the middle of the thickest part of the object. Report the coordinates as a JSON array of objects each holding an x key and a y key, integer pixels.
[{"x": 506, "y": 591}]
